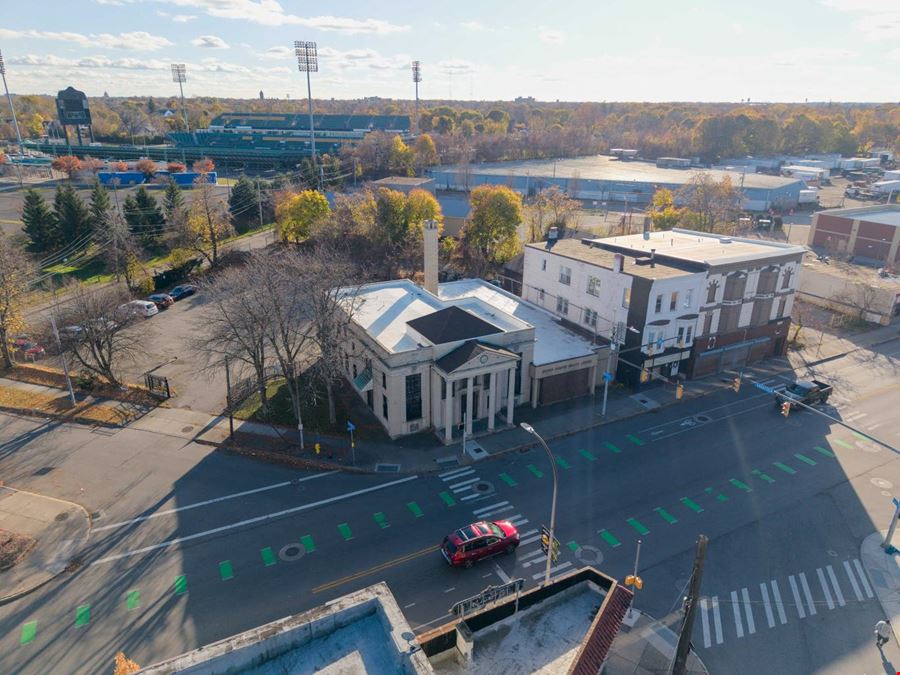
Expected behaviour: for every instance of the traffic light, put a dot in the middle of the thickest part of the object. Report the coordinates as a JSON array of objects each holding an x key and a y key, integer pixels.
[
  {"x": 786, "y": 408},
  {"x": 679, "y": 391},
  {"x": 634, "y": 580},
  {"x": 736, "y": 384}
]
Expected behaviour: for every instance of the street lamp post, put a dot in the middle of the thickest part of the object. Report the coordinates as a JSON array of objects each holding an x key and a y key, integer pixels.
[{"x": 530, "y": 429}]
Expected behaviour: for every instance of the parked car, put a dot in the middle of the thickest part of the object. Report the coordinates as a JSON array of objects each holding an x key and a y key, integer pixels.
[
  {"x": 25, "y": 345},
  {"x": 143, "y": 308},
  {"x": 808, "y": 392},
  {"x": 161, "y": 300},
  {"x": 480, "y": 540},
  {"x": 182, "y": 291}
]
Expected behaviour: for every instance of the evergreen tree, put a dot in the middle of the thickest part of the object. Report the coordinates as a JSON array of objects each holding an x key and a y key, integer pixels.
[
  {"x": 73, "y": 219},
  {"x": 39, "y": 223},
  {"x": 243, "y": 204},
  {"x": 144, "y": 217},
  {"x": 100, "y": 211},
  {"x": 173, "y": 201}
]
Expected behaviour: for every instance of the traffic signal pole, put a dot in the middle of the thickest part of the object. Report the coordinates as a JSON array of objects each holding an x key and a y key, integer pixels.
[{"x": 690, "y": 609}]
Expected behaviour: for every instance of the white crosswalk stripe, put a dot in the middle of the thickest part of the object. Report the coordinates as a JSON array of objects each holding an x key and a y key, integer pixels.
[
  {"x": 717, "y": 620},
  {"x": 827, "y": 591},
  {"x": 738, "y": 626},
  {"x": 798, "y": 603},
  {"x": 807, "y": 593},
  {"x": 837, "y": 589},
  {"x": 455, "y": 473},
  {"x": 748, "y": 611},
  {"x": 533, "y": 554},
  {"x": 529, "y": 540},
  {"x": 474, "y": 495},
  {"x": 518, "y": 520},
  {"x": 862, "y": 577},
  {"x": 770, "y": 617},
  {"x": 553, "y": 571},
  {"x": 704, "y": 618},
  {"x": 464, "y": 485},
  {"x": 852, "y": 578},
  {"x": 485, "y": 509},
  {"x": 779, "y": 605}
]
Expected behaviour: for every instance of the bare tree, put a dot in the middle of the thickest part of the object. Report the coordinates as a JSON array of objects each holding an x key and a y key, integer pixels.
[
  {"x": 15, "y": 273},
  {"x": 708, "y": 205},
  {"x": 861, "y": 299},
  {"x": 97, "y": 333}
]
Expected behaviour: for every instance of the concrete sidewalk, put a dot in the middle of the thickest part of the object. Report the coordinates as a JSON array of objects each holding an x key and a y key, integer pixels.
[
  {"x": 645, "y": 646},
  {"x": 60, "y": 527},
  {"x": 884, "y": 570}
]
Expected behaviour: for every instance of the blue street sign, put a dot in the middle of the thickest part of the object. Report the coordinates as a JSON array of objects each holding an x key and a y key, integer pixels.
[
  {"x": 659, "y": 343},
  {"x": 607, "y": 377},
  {"x": 762, "y": 387},
  {"x": 350, "y": 426},
  {"x": 896, "y": 502}
]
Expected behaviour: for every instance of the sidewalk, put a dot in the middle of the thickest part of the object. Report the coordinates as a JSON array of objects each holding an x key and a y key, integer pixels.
[
  {"x": 60, "y": 528},
  {"x": 884, "y": 571},
  {"x": 646, "y": 646}
]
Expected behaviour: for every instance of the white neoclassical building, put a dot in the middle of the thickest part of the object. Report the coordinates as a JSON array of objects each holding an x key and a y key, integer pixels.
[{"x": 466, "y": 355}]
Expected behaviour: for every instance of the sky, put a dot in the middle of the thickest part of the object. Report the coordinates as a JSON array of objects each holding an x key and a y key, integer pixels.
[{"x": 570, "y": 50}]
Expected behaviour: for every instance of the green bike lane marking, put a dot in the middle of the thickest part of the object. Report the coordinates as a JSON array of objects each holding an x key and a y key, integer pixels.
[
  {"x": 82, "y": 616},
  {"x": 784, "y": 467},
  {"x": 308, "y": 543},
  {"x": 763, "y": 476},
  {"x": 133, "y": 600},
  {"x": 665, "y": 515},
  {"x": 381, "y": 520},
  {"x": 740, "y": 485},
  {"x": 506, "y": 478},
  {"x": 573, "y": 546},
  {"x": 843, "y": 444},
  {"x": 29, "y": 630},
  {"x": 634, "y": 439},
  {"x": 637, "y": 525},
  {"x": 563, "y": 463},
  {"x": 588, "y": 455},
  {"x": 345, "y": 531},
  {"x": 720, "y": 497},
  {"x": 803, "y": 458},
  {"x": 226, "y": 571},
  {"x": 536, "y": 471},
  {"x": 449, "y": 501},
  {"x": 414, "y": 508},
  {"x": 859, "y": 436},
  {"x": 692, "y": 505},
  {"x": 612, "y": 446},
  {"x": 267, "y": 556},
  {"x": 180, "y": 584},
  {"x": 609, "y": 538},
  {"x": 823, "y": 451}
]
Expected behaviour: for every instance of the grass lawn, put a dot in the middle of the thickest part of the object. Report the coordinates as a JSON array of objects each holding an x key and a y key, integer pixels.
[{"x": 94, "y": 271}]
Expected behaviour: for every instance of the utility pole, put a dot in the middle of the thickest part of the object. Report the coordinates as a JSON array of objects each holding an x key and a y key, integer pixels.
[
  {"x": 65, "y": 360},
  {"x": 690, "y": 609},
  {"x": 259, "y": 202},
  {"x": 228, "y": 399},
  {"x": 15, "y": 121}
]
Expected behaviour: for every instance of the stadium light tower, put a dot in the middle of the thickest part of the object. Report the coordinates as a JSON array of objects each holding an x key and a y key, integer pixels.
[
  {"x": 179, "y": 75},
  {"x": 417, "y": 77},
  {"x": 308, "y": 62},
  {"x": 9, "y": 98}
]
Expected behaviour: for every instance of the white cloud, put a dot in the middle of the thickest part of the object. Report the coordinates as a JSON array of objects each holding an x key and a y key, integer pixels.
[
  {"x": 177, "y": 18},
  {"x": 551, "y": 36},
  {"x": 894, "y": 55},
  {"x": 474, "y": 26},
  {"x": 134, "y": 41},
  {"x": 209, "y": 42},
  {"x": 808, "y": 55},
  {"x": 456, "y": 67},
  {"x": 878, "y": 19},
  {"x": 363, "y": 59},
  {"x": 89, "y": 62},
  {"x": 280, "y": 52},
  {"x": 271, "y": 13}
]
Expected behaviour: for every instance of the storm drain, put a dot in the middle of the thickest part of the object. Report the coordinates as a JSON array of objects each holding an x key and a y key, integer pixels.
[
  {"x": 703, "y": 419},
  {"x": 387, "y": 468},
  {"x": 291, "y": 552},
  {"x": 62, "y": 516},
  {"x": 483, "y": 487},
  {"x": 43, "y": 471}
]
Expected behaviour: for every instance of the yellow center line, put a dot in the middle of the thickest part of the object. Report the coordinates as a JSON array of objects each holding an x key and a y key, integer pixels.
[{"x": 376, "y": 568}]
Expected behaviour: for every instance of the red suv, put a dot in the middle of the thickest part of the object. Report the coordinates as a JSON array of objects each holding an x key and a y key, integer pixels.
[{"x": 479, "y": 540}]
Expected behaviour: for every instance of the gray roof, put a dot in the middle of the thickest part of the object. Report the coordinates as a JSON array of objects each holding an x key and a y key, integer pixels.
[
  {"x": 466, "y": 352},
  {"x": 451, "y": 325}
]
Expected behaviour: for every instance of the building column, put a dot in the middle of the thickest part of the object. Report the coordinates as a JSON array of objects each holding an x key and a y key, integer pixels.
[
  {"x": 510, "y": 395},
  {"x": 851, "y": 241},
  {"x": 535, "y": 391},
  {"x": 892, "y": 253},
  {"x": 470, "y": 388},
  {"x": 448, "y": 412},
  {"x": 434, "y": 384},
  {"x": 492, "y": 400}
]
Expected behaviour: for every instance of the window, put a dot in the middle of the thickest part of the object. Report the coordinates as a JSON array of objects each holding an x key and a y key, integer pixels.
[
  {"x": 659, "y": 303},
  {"x": 651, "y": 339},
  {"x": 711, "y": 292},
  {"x": 673, "y": 303},
  {"x": 688, "y": 335},
  {"x": 562, "y": 305},
  {"x": 413, "y": 397},
  {"x": 786, "y": 282},
  {"x": 384, "y": 406},
  {"x": 354, "y": 371},
  {"x": 544, "y": 265},
  {"x": 626, "y": 297},
  {"x": 681, "y": 335},
  {"x": 443, "y": 389},
  {"x": 565, "y": 275},
  {"x": 486, "y": 381},
  {"x": 689, "y": 297},
  {"x": 590, "y": 317},
  {"x": 593, "y": 286},
  {"x": 518, "y": 388},
  {"x": 383, "y": 381}
]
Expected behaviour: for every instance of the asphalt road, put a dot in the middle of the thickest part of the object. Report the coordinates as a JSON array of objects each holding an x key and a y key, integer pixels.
[{"x": 192, "y": 545}]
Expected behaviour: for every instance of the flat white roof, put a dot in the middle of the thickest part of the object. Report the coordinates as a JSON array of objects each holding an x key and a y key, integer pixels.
[
  {"x": 702, "y": 247},
  {"x": 552, "y": 342}
]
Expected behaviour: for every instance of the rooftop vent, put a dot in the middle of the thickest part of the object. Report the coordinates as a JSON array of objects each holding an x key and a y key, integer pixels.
[
  {"x": 725, "y": 240},
  {"x": 553, "y": 234}
]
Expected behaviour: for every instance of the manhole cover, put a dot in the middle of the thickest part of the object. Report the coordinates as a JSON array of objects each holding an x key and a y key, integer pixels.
[
  {"x": 291, "y": 552},
  {"x": 832, "y": 553},
  {"x": 703, "y": 419},
  {"x": 882, "y": 483},
  {"x": 61, "y": 517},
  {"x": 187, "y": 429},
  {"x": 589, "y": 555},
  {"x": 483, "y": 487},
  {"x": 43, "y": 471},
  {"x": 96, "y": 515},
  {"x": 387, "y": 468},
  {"x": 523, "y": 451}
]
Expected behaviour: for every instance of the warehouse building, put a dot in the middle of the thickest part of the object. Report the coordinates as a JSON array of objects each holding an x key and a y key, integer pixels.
[
  {"x": 868, "y": 233},
  {"x": 604, "y": 178}
]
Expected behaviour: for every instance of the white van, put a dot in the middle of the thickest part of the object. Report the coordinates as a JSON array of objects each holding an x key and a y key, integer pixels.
[{"x": 142, "y": 308}]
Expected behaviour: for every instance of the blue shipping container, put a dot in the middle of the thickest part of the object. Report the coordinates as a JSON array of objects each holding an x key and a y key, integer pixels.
[{"x": 123, "y": 177}]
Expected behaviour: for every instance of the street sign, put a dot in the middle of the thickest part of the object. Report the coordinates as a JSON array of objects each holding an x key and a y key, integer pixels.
[
  {"x": 762, "y": 387},
  {"x": 607, "y": 377},
  {"x": 350, "y": 426},
  {"x": 659, "y": 343},
  {"x": 896, "y": 502},
  {"x": 487, "y": 596},
  {"x": 545, "y": 544}
]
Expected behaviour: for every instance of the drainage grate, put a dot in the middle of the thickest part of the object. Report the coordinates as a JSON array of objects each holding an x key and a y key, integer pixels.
[
  {"x": 43, "y": 471},
  {"x": 703, "y": 419},
  {"x": 483, "y": 487},
  {"x": 61, "y": 517},
  {"x": 95, "y": 515},
  {"x": 447, "y": 461},
  {"x": 387, "y": 468},
  {"x": 187, "y": 429}
]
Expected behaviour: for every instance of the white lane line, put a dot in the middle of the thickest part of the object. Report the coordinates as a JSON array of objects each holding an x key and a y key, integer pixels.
[
  {"x": 468, "y": 481},
  {"x": 748, "y": 610},
  {"x": 811, "y": 607},
  {"x": 478, "y": 512},
  {"x": 738, "y": 626},
  {"x": 837, "y": 589},
  {"x": 553, "y": 570},
  {"x": 253, "y": 521},
  {"x": 863, "y": 578},
  {"x": 718, "y": 419},
  {"x": 779, "y": 605},
  {"x": 207, "y": 502},
  {"x": 717, "y": 620},
  {"x": 504, "y": 577},
  {"x": 825, "y": 589},
  {"x": 452, "y": 475},
  {"x": 474, "y": 495},
  {"x": 412, "y": 604},
  {"x": 852, "y": 579},
  {"x": 798, "y": 603},
  {"x": 770, "y": 617},
  {"x": 450, "y": 590},
  {"x": 704, "y": 617}
]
